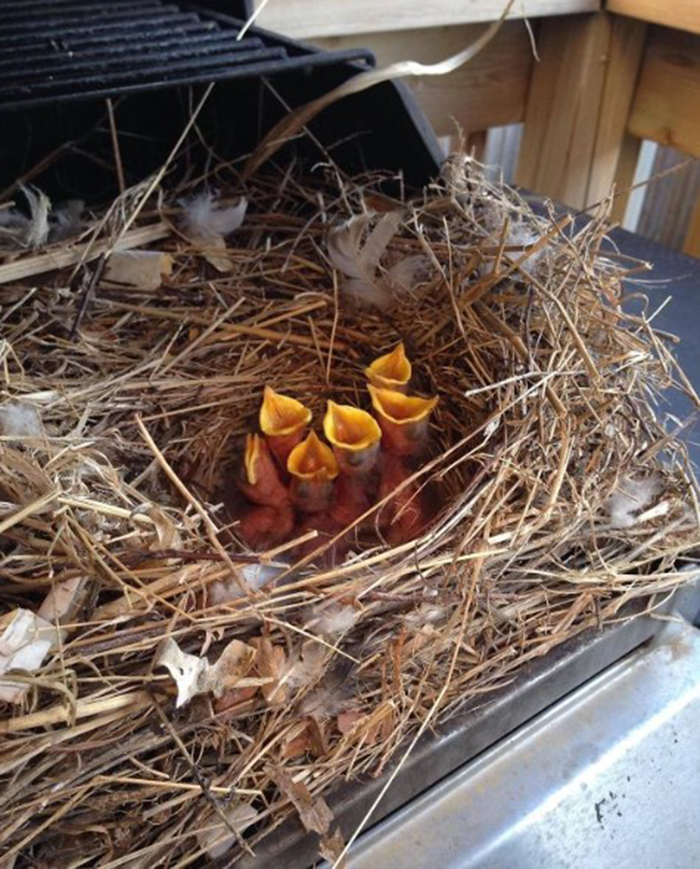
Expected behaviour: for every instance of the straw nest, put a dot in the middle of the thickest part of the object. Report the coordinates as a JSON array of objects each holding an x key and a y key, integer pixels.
[{"x": 562, "y": 499}]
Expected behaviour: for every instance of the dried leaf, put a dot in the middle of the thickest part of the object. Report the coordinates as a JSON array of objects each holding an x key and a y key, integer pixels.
[
  {"x": 309, "y": 667},
  {"x": 234, "y": 664},
  {"x": 313, "y": 812},
  {"x": 347, "y": 721},
  {"x": 25, "y": 641},
  {"x": 194, "y": 675},
  {"x": 187, "y": 670},
  {"x": 61, "y": 603},
  {"x": 332, "y": 847},
  {"x": 217, "y": 838},
  {"x": 235, "y": 697},
  {"x": 270, "y": 663},
  {"x": 144, "y": 269}
]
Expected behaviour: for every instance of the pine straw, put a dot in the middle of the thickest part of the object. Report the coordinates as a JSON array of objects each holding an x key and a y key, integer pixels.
[{"x": 546, "y": 393}]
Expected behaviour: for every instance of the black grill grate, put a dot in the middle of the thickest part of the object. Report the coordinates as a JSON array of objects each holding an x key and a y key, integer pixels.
[{"x": 73, "y": 49}]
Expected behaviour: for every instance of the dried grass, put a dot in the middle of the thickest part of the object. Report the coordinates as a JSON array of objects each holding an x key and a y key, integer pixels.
[{"x": 548, "y": 396}]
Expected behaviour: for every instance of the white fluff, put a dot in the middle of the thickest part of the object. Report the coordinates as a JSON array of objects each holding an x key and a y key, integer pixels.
[
  {"x": 66, "y": 220},
  {"x": 630, "y": 498},
  {"x": 205, "y": 219},
  {"x": 359, "y": 262},
  {"x": 256, "y": 577},
  {"x": 23, "y": 231},
  {"x": 206, "y": 225},
  {"x": 19, "y": 420},
  {"x": 519, "y": 235},
  {"x": 408, "y": 273},
  {"x": 39, "y": 208},
  {"x": 306, "y": 668},
  {"x": 426, "y": 614},
  {"x": 334, "y": 621}
]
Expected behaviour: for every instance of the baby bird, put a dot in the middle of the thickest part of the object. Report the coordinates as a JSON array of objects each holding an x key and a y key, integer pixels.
[
  {"x": 403, "y": 420},
  {"x": 392, "y": 371},
  {"x": 269, "y": 520},
  {"x": 356, "y": 437},
  {"x": 404, "y": 423},
  {"x": 260, "y": 480},
  {"x": 313, "y": 469},
  {"x": 283, "y": 421},
  {"x": 406, "y": 514}
]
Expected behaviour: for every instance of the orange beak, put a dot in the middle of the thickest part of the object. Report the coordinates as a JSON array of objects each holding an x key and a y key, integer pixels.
[
  {"x": 403, "y": 419},
  {"x": 355, "y": 436},
  {"x": 283, "y": 421},
  {"x": 392, "y": 371},
  {"x": 313, "y": 468},
  {"x": 260, "y": 481}
]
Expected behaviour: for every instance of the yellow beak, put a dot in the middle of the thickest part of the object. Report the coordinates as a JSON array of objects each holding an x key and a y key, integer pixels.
[
  {"x": 251, "y": 458},
  {"x": 355, "y": 436},
  {"x": 283, "y": 421},
  {"x": 403, "y": 419},
  {"x": 392, "y": 371},
  {"x": 282, "y": 415},
  {"x": 312, "y": 460},
  {"x": 260, "y": 479},
  {"x": 313, "y": 468}
]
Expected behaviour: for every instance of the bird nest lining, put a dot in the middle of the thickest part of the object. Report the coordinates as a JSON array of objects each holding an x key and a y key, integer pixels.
[{"x": 191, "y": 694}]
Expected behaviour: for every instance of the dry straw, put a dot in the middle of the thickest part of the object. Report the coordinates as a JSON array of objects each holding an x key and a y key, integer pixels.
[{"x": 547, "y": 393}]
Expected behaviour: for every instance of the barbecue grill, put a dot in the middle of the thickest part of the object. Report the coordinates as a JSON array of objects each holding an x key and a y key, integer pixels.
[{"x": 152, "y": 60}]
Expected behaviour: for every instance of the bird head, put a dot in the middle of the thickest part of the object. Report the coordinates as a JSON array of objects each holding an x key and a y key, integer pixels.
[
  {"x": 355, "y": 437},
  {"x": 403, "y": 419},
  {"x": 283, "y": 421},
  {"x": 313, "y": 468},
  {"x": 392, "y": 371}
]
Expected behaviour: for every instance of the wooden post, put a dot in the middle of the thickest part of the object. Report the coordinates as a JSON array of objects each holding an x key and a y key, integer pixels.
[
  {"x": 579, "y": 101},
  {"x": 691, "y": 245}
]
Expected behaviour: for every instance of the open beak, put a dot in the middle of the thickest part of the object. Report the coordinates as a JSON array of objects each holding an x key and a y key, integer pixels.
[
  {"x": 355, "y": 436},
  {"x": 260, "y": 481},
  {"x": 313, "y": 468},
  {"x": 283, "y": 421},
  {"x": 403, "y": 419},
  {"x": 392, "y": 371}
]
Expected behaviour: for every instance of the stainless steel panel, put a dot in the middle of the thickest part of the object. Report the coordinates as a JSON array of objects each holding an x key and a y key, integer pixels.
[{"x": 607, "y": 778}]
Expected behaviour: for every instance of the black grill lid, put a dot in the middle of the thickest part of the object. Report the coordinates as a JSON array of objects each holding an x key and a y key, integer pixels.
[{"x": 56, "y": 50}]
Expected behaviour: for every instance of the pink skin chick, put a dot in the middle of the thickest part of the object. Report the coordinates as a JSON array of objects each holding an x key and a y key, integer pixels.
[
  {"x": 351, "y": 500},
  {"x": 260, "y": 480},
  {"x": 264, "y": 527},
  {"x": 405, "y": 516}
]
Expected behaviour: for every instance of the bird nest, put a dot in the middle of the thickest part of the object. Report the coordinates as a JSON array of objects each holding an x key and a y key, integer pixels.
[{"x": 175, "y": 695}]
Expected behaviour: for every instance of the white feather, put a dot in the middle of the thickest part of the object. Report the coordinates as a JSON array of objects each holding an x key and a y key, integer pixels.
[
  {"x": 630, "y": 498},
  {"x": 335, "y": 620},
  {"x": 360, "y": 262},
  {"x": 19, "y": 420},
  {"x": 23, "y": 231},
  {"x": 39, "y": 208},
  {"x": 256, "y": 576},
  {"x": 205, "y": 219}
]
